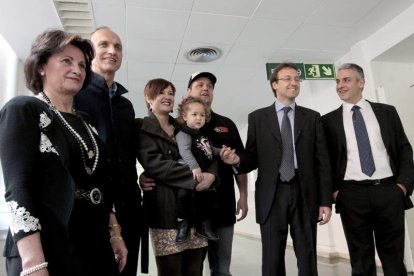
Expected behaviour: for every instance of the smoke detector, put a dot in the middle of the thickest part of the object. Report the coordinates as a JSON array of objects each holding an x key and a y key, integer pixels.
[{"x": 203, "y": 54}]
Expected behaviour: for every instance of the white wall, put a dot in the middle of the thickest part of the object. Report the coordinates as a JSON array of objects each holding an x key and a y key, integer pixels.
[
  {"x": 8, "y": 66},
  {"x": 395, "y": 80}
]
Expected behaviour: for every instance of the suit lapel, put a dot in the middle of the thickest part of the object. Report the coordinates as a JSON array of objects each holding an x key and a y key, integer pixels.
[
  {"x": 272, "y": 121},
  {"x": 300, "y": 121},
  {"x": 381, "y": 118},
  {"x": 339, "y": 123}
]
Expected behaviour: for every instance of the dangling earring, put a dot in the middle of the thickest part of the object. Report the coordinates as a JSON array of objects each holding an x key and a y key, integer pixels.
[
  {"x": 42, "y": 73},
  {"x": 149, "y": 106}
]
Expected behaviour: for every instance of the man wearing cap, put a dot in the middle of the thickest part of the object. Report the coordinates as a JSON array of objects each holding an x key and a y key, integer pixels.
[{"x": 222, "y": 131}]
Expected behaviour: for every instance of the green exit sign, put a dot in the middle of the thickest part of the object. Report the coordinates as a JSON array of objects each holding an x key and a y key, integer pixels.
[
  {"x": 319, "y": 71},
  {"x": 308, "y": 71}
]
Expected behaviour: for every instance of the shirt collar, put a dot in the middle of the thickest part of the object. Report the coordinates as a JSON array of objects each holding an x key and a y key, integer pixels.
[
  {"x": 279, "y": 106},
  {"x": 362, "y": 103},
  {"x": 113, "y": 89}
]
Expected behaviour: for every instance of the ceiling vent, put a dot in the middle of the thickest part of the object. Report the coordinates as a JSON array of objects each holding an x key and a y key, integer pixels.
[
  {"x": 203, "y": 54},
  {"x": 75, "y": 16}
]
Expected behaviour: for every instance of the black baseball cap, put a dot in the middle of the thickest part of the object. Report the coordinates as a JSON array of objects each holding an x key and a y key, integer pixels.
[{"x": 198, "y": 75}]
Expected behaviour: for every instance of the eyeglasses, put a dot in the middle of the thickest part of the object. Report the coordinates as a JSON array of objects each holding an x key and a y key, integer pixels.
[{"x": 290, "y": 79}]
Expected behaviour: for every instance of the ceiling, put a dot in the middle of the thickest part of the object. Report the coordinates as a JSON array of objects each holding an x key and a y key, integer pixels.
[{"x": 250, "y": 33}]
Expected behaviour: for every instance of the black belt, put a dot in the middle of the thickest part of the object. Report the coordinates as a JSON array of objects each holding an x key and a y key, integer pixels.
[
  {"x": 370, "y": 182},
  {"x": 94, "y": 195}
]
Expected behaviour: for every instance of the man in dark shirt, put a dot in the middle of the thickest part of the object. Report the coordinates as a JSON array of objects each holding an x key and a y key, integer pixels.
[
  {"x": 222, "y": 131},
  {"x": 113, "y": 115}
]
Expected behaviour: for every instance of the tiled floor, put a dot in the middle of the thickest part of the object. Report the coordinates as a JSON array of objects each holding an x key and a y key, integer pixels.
[{"x": 246, "y": 261}]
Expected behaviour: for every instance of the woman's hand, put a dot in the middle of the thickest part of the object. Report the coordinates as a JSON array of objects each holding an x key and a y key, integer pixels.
[
  {"x": 208, "y": 179},
  {"x": 31, "y": 253},
  {"x": 120, "y": 251},
  {"x": 117, "y": 242}
]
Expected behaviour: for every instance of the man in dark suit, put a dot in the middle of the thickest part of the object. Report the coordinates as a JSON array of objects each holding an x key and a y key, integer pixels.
[
  {"x": 293, "y": 187},
  {"x": 372, "y": 170}
]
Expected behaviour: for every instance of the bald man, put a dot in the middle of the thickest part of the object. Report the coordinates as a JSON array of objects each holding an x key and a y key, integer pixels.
[{"x": 113, "y": 115}]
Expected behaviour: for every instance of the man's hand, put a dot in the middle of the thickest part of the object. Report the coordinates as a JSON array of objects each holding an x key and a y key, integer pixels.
[
  {"x": 324, "y": 215},
  {"x": 242, "y": 205},
  {"x": 403, "y": 188},
  {"x": 146, "y": 183},
  {"x": 335, "y": 195},
  {"x": 208, "y": 179},
  {"x": 229, "y": 156}
]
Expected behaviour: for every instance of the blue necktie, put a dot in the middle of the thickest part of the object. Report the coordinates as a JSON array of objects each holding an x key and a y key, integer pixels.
[
  {"x": 364, "y": 146},
  {"x": 287, "y": 167}
]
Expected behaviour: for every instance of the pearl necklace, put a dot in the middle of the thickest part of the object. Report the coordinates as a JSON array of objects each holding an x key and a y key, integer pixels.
[{"x": 82, "y": 144}]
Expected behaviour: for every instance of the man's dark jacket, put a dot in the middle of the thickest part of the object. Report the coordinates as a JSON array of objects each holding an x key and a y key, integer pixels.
[
  {"x": 114, "y": 120},
  {"x": 395, "y": 141}
]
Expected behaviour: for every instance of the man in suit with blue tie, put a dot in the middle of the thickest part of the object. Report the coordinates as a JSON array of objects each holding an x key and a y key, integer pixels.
[
  {"x": 286, "y": 143},
  {"x": 373, "y": 175}
]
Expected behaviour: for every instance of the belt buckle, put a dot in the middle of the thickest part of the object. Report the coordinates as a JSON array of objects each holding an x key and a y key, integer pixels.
[
  {"x": 95, "y": 196},
  {"x": 377, "y": 182}
]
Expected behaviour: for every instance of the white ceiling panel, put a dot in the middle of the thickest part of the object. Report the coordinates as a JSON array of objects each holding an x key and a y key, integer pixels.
[
  {"x": 153, "y": 51},
  {"x": 264, "y": 31},
  {"x": 342, "y": 13},
  {"x": 306, "y": 56},
  {"x": 236, "y": 74},
  {"x": 150, "y": 70},
  {"x": 107, "y": 13},
  {"x": 227, "y": 7},
  {"x": 158, "y": 25},
  {"x": 175, "y": 5},
  {"x": 383, "y": 13},
  {"x": 211, "y": 29},
  {"x": 295, "y": 10},
  {"x": 320, "y": 37},
  {"x": 248, "y": 55}
]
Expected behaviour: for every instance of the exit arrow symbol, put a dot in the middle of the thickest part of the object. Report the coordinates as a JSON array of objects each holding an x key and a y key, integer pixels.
[{"x": 327, "y": 71}]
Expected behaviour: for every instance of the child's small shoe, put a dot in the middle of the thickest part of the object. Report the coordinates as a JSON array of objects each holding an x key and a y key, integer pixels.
[{"x": 183, "y": 231}]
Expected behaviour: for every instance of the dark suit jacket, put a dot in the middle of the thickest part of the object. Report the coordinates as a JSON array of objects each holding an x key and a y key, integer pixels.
[
  {"x": 398, "y": 147},
  {"x": 264, "y": 151}
]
